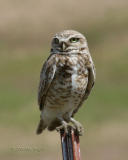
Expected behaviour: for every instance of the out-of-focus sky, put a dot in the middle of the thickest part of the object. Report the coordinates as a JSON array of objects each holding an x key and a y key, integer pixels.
[{"x": 36, "y": 21}]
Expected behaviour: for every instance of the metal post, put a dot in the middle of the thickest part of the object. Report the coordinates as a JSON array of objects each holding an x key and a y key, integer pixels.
[{"x": 70, "y": 144}]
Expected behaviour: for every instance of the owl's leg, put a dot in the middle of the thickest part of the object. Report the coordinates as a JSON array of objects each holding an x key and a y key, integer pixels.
[
  {"x": 64, "y": 125},
  {"x": 78, "y": 126}
]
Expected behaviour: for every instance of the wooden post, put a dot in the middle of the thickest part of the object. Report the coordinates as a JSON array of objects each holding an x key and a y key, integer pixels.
[{"x": 70, "y": 144}]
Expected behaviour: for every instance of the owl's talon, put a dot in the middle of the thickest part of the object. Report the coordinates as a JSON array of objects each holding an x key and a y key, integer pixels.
[
  {"x": 63, "y": 126},
  {"x": 58, "y": 129},
  {"x": 79, "y": 128}
]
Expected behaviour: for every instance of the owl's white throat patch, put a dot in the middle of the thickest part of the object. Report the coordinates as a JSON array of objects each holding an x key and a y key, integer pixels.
[{"x": 74, "y": 76}]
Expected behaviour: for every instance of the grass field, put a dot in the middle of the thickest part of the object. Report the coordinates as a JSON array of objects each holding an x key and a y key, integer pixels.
[{"x": 23, "y": 49}]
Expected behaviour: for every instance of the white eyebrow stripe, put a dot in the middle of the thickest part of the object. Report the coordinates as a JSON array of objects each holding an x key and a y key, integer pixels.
[{"x": 75, "y": 35}]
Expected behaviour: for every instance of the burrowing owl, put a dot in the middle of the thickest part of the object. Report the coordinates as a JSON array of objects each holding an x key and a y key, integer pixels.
[{"x": 66, "y": 80}]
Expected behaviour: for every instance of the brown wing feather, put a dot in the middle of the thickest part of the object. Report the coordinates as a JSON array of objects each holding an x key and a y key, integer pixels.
[
  {"x": 46, "y": 77},
  {"x": 91, "y": 81}
]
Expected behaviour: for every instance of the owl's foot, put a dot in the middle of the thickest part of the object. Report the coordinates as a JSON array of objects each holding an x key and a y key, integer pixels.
[
  {"x": 78, "y": 126},
  {"x": 64, "y": 126}
]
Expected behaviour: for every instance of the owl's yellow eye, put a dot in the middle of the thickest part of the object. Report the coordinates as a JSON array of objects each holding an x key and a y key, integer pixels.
[{"x": 74, "y": 40}]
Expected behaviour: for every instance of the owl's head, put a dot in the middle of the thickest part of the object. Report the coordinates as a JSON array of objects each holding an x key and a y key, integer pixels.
[{"x": 68, "y": 41}]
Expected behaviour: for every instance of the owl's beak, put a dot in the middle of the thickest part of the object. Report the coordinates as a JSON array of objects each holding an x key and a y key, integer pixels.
[{"x": 63, "y": 46}]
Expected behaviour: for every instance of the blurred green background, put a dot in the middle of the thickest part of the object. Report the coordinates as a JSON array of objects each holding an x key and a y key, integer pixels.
[{"x": 26, "y": 29}]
